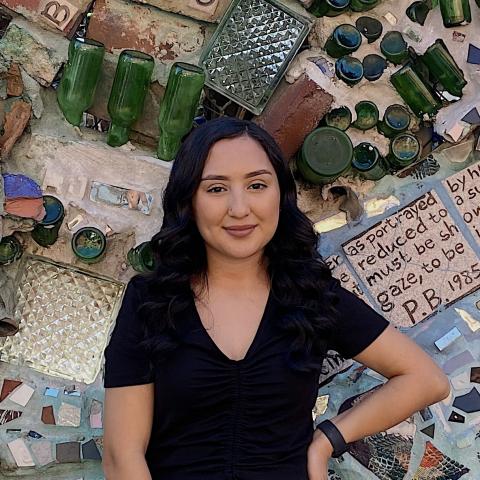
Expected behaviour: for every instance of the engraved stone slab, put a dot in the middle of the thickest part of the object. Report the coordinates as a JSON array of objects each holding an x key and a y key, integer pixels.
[
  {"x": 415, "y": 261},
  {"x": 464, "y": 189}
]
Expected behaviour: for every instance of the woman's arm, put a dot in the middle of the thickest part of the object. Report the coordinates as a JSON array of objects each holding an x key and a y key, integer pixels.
[
  {"x": 415, "y": 381},
  {"x": 127, "y": 427}
]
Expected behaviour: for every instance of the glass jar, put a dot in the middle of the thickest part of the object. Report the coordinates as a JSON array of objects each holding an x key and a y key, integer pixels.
[
  {"x": 45, "y": 232},
  {"x": 455, "y": 12},
  {"x": 363, "y": 5},
  {"x": 325, "y": 155},
  {"x": 404, "y": 150},
  {"x": 79, "y": 79},
  {"x": 368, "y": 162},
  {"x": 396, "y": 120},
  {"x": 141, "y": 258},
  {"x": 418, "y": 96},
  {"x": 89, "y": 245},
  {"x": 349, "y": 70},
  {"x": 367, "y": 115},
  {"x": 329, "y": 8},
  {"x": 344, "y": 39},
  {"x": 10, "y": 250},
  {"x": 178, "y": 108},
  {"x": 394, "y": 47},
  {"x": 340, "y": 118},
  {"x": 370, "y": 28},
  {"x": 130, "y": 86}
]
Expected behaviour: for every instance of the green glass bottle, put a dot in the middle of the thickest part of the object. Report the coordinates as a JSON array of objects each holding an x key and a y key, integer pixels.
[
  {"x": 79, "y": 79},
  {"x": 45, "y": 232},
  {"x": 344, "y": 39},
  {"x": 89, "y": 244},
  {"x": 394, "y": 47},
  {"x": 418, "y": 96},
  {"x": 130, "y": 86},
  {"x": 443, "y": 68},
  {"x": 367, "y": 115},
  {"x": 396, "y": 120},
  {"x": 373, "y": 66},
  {"x": 340, "y": 118},
  {"x": 404, "y": 150},
  {"x": 371, "y": 28},
  {"x": 141, "y": 258},
  {"x": 349, "y": 69},
  {"x": 177, "y": 111},
  {"x": 418, "y": 12},
  {"x": 328, "y": 8},
  {"x": 455, "y": 12},
  {"x": 368, "y": 162},
  {"x": 363, "y": 5},
  {"x": 10, "y": 250},
  {"x": 325, "y": 155}
]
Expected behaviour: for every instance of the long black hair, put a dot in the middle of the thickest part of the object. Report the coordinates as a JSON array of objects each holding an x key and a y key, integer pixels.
[{"x": 299, "y": 277}]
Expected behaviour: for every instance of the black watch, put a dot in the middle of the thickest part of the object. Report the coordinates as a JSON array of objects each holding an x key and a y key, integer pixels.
[{"x": 334, "y": 436}]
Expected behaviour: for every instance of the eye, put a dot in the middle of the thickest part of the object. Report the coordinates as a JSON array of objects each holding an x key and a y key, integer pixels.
[
  {"x": 214, "y": 189},
  {"x": 258, "y": 186}
]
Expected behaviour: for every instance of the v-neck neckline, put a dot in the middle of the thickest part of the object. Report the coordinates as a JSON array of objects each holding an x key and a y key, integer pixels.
[{"x": 252, "y": 344}]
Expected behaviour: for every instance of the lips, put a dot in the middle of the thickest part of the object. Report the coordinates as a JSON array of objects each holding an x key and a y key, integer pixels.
[{"x": 239, "y": 228}]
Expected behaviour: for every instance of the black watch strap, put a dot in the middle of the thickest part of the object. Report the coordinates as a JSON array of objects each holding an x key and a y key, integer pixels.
[{"x": 334, "y": 437}]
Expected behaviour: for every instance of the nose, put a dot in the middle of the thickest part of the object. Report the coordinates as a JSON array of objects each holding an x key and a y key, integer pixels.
[{"x": 238, "y": 205}]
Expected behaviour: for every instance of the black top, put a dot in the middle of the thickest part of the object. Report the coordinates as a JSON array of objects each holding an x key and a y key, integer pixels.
[{"x": 217, "y": 418}]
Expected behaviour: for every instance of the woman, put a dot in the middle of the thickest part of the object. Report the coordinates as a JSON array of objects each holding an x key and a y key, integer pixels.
[{"x": 213, "y": 366}]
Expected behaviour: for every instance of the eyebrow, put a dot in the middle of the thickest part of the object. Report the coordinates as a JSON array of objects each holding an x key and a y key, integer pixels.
[{"x": 248, "y": 175}]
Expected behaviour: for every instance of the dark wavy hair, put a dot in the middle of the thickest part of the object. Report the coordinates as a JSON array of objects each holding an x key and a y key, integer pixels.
[{"x": 300, "y": 280}]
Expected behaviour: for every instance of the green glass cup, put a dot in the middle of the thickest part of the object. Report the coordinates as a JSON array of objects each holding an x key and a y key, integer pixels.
[
  {"x": 368, "y": 163},
  {"x": 178, "y": 108},
  {"x": 329, "y": 8},
  {"x": 394, "y": 47},
  {"x": 444, "y": 69},
  {"x": 325, "y": 155},
  {"x": 340, "y": 118},
  {"x": 416, "y": 94},
  {"x": 396, "y": 120},
  {"x": 79, "y": 80},
  {"x": 45, "y": 232},
  {"x": 404, "y": 150},
  {"x": 367, "y": 115},
  {"x": 10, "y": 250},
  {"x": 141, "y": 258},
  {"x": 455, "y": 12},
  {"x": 89, "y": 245},
  {"x": 129, "y": 89},
  {"x": 349, "y": 70},
  {"x": 363, "y": 5},
  {"x": 345, "y": 39}
]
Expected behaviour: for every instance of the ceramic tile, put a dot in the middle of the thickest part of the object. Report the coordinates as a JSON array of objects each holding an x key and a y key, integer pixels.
[
  {"x": 42, "y": 452},
  {"x": 457, "y": 361},
  {"x": 456, "y": 418},
  {"x": 400, "y": 258},
  {"x": 65, "y": 317},
  {"x": 475, "y": 374},
  {"x": 20, "y": 453},
  {"x": 472, "y": 117},
  {"x": 51, "y": 392},
  {"x": 460, "y": 381},
  {"x": 8, "y": 387},
  {"x": 446, "y": 340},
  {"x": 436, "y": 465},
  {"x": 463, "y": 189},
  {"x": 426, "y": 414},
  {"x": 473, "y": 55},
  {"x": 48, "y": 417},
  {"x": 8, "y": 415},
  {"x": 71, "y": 391},
  {"x": 473, "y": 324},
  {"x": 69, "y": 415},
  {"x": 468, "y": 403},
  {"x": 68, "y": 452},
  {"x": 22, "y": 394},
  {"x": 90, "y": 451},
  {"x": 33, "y": 434},
  {"x": 430, "y": 430},
  {"x": 321, "y": 406},
  {"x": 96, "y": 414}
]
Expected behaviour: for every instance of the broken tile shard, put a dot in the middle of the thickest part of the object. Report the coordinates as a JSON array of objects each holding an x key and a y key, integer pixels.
[
  {"x": 48, "y": 418},
  {"x": 429, "y": 431},
  {"x": 456, "y": 418},
  {"x": 96, "y": 414},
  {"x": 20, "y": 453},
  {"x": 68, "y": 452},
  {"x": 69, "y": 415},
  {"x": 8, "y": 415},
  {"x": 42, "y": 452},
  {"x": 473, "y": 55},
  {"x": 468, "y": 403},
  {"x": 51, "y": 392},
  {"x": 458, "y": 361},
  {"x": 426, "y": 414},
  {"x": 90, "y": 451},
  {"x": 472, "y": 117},
  {"x": 475, "y": 374},
  {"x": 446, "y": 340},
  {"x": 22, "y": 394},
  {"x": 8, "y": 387}
]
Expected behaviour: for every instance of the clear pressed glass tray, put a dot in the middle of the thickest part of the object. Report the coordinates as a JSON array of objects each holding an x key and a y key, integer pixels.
[
  {"x": 65, "y": 317},
  {"x": 251, "y": 50}
]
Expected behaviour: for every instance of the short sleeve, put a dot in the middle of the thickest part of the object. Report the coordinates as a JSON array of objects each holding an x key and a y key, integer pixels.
[
  {"x": 357, "y": 325},
  {"x": 126, "y": 362}
]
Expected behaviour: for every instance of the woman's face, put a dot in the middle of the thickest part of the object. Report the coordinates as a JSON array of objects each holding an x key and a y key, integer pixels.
[{"x": 239, "y": 188}]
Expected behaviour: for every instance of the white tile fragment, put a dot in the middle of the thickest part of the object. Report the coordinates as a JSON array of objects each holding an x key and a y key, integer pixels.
[
  {"x": 69, "y": 415},
  {"x": 443, "y": 342},
  {"x": 22, "y": 394},
  {"x": 20, "y": 453},
  {"x": 472, "y": 323}
]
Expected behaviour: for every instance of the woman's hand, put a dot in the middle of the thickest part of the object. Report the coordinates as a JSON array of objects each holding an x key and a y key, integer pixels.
[{"x": 318, "y": 454}]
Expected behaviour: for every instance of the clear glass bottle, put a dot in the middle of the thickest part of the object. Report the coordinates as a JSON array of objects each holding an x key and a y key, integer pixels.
[
  {"x": 368, "y": 162},
  {"x": 141, "y": 258},
  {"x": 340, "y": 118},
  {"x": 394, "y": 47},
  {"x": 89, "y": 245},
  {"x": 367, "y": 115},
  {"x": 396, "y": 120},
  {"x": 79, "y": 79},
  {"x": 178, "y": 108},
  {"x": 130, "y": 86},
  {"x": 349, "y": 69},
  {"x": 404, "y": 150},
  {"x": 10, "y": 250},
  {"x": 345, "y": 39},
  {"x": 45, "y": 232},
  {"x": 329, "y": 8},
  {"x": 455, "y": 12}
]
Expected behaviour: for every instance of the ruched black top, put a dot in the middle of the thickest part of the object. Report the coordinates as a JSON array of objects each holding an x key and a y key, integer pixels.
[{"x": 221, "y": 419}]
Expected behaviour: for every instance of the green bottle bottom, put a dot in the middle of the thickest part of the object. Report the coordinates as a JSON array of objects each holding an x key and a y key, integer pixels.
[
  {"x": 168, "y": 146},
  {"x": 117, "y": 135}
]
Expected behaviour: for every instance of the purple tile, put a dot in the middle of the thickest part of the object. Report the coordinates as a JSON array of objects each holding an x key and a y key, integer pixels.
[{"x": 458, "y": 361}]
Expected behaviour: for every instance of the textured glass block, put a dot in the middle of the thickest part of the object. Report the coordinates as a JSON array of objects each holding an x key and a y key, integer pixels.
[
  {"x": 251, "y": 49},
  {"x": 65, "y": 316}
]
